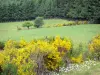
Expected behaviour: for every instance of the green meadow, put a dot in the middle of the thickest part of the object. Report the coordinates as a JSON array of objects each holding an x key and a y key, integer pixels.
[{"x": 79, "y": 33}]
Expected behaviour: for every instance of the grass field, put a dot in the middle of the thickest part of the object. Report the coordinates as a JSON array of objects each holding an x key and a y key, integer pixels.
[{"x": 79, "y": 33}]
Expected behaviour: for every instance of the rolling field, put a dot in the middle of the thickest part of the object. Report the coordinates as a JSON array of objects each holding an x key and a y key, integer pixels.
[{"x": 79, "y": 33}]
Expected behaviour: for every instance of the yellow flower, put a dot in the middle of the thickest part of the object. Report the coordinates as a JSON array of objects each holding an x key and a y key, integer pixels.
[
  {"x": 78, "y": 59},
  {"x": 95, "y": 44},
  {"x": 22, "y": 43},
  {"x": 1, "y": 58}
]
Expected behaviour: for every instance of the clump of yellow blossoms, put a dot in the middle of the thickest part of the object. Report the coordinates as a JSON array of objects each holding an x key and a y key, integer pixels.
[
  {"x": 22, "y": 43},
  {"x": 78, "y": 59},
  {"x": 58, "y": 42},
  {"x": 27, "y": 55},
  {"x": 95, "y": 44},
  {"x": 2, "y": 57},
  {"x": 94, "y": 47}
]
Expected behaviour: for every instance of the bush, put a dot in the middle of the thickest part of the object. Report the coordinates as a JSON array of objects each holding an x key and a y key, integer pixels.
[
  {"x": 19, "y": 28},
  {"x": 94, "y": 47},
  {"x": 37, "y": 56},
  {"x": 77, "y": 54},
  {"x": 78, "y": 59},
  {"x": 85, "y": 22},
  {"x": 27, "y": 24},
  {"x": 38, "y": 22},
  {"x": 2, "y": 44},
  {"x": 70, "y": 23},
  {"x": 59, "y": 25},
  {"x": 81, "y": 22},
  {"x": 52, "y": 61},
  {"x": 2, "y": 57},
  {"x": 9, "y": 69}
]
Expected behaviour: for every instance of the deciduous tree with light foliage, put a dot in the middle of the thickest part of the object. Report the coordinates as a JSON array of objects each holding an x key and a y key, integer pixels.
[{"x": 27, "y": 24}]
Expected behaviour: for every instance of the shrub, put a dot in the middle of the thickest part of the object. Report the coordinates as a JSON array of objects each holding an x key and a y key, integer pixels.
[
  {"x": 78, "y": 59},
  {"x": 2, "y": 57},
  {"x": 94, "y": 46},
  {"x": 2, "y": 44},
  {"x": 20, "y": 57},
  {"x": 85, "y": 22},
  {"x": 77, "y": 54},
  {"x": 52, "y": 61},
  {"x": 9, "y": 45},
  {"x": 79, "y": 22},
  {"x": 59, "y": 25},
  {"x": 59, "y": 43},
  {"x": 27, "y": 24},
  {"x": 19, "y": 28},
  {"x": 38, "y": 22},
  {"x": 36, "y": 56},
  {"x": 71, "y": 23},
  {"x": 9, "y": 69}
]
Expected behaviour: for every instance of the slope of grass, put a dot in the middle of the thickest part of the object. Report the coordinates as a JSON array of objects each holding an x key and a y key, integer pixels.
[{"x": 81, "y": 33}]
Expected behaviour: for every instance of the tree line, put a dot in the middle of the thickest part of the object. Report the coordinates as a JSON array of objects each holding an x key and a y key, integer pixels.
[{"x": 12, "y": 10}]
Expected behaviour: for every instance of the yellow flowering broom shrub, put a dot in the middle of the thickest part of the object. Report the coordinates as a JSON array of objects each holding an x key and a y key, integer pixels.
[
  {"x": 50, "y": 55},
  {"x": 78, "y": 59},
  {"x": 52, "y": 61},
  {"x": 63, "y": 46},
  {"x": 10, "y": 44},
  {"x": 94, "y": 46},
  {"x": 35, "y": 56},
  {"x": 1, "y": 58},
  {"x": 58, "y": 42},
  {"x": 20, "y": 57}
]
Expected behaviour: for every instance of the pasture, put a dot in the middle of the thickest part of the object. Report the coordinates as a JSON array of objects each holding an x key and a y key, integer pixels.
[{"x": 79, "y": 33}]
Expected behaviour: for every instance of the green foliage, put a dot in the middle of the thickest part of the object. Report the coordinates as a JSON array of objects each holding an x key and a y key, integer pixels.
[
  {"x": 19, "y": 28},
  {"x": 2, "y": 44},
  {"x": 30, "y": 9},
  {"x": 1, "y": 70},
  {"x": 94, "y": 47},
  {"x": 16, "y": 10},
  {"x": 77, "y": 51},
  {"x": 27, "y": 24},
  {"x": 38, "y": 22},
  {"x": 9, "y": 69},
  {"x": 88, "y": 9}
]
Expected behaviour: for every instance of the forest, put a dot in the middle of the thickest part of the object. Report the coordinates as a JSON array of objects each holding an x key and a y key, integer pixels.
[{"x": 15, "y": 10}]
